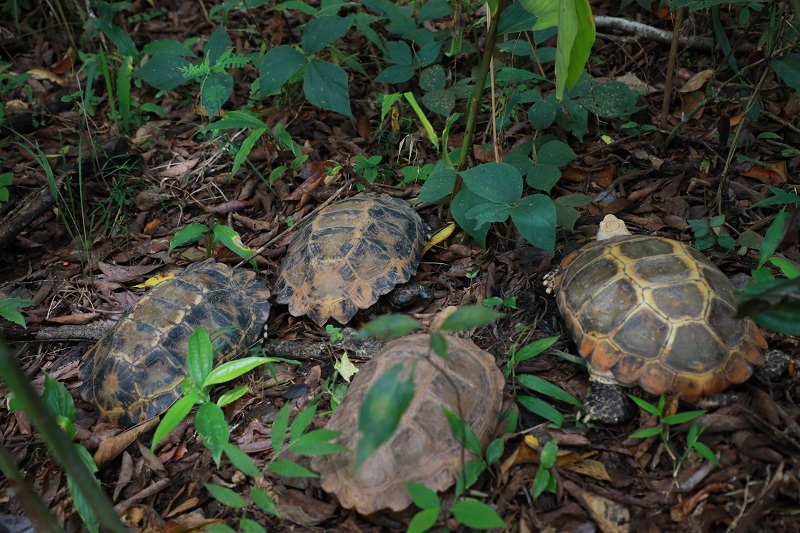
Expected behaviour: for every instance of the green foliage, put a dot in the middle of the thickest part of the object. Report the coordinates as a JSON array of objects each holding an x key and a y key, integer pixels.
[
  {"x": 222, "y": 234},
  {"x": 5, "y": 181},
  {"x": 662, "y": 430},
  {"x": 544, "y": 480},
  {"x": 496, "y": 301},
  {"x": 9, "y": 309},
  {"x": 707, "y": 233}
]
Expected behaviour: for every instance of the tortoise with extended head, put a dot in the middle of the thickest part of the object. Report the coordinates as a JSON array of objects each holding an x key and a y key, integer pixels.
[
  {"x": 653, "y": 312},
  {"x": 348, "y": 255},
  {"x": 133, "y": 372},
  {"x": 422, "y": 448}
]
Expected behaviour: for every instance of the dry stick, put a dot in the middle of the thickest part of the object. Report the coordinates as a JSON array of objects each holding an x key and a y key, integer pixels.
[
  {"x": 155, "y": 488},
  {"x": 494, "y": 95},
  {"x": 291, "y": 228},
  {"x": 673, "y": 55}
]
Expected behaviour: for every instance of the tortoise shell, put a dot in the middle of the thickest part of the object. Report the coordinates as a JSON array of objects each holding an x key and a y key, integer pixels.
[
  {"x": 133, "y": 372},
  {"x": 423, "y": 448},
  {"x": 654, "y": 312},
  {"x": 348, "y": 255}
]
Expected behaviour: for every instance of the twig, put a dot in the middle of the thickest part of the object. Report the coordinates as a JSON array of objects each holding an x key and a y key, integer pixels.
[
  {"x": 673, "y": 58},
  {"x": 155, "y": 488}
]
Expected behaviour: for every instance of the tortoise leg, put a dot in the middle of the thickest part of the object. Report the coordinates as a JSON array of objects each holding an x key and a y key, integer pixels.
[
  {"x": 606, "y": 403},
  {"x": 775, "y": 367}
]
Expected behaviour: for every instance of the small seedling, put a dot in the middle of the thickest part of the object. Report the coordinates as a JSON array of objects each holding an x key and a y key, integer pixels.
[
  {"x": 707, "y": 233},
  {"x": 222, "y": 234}
]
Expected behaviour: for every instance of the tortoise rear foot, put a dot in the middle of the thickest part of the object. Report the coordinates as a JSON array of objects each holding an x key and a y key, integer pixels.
[
  {"x": 775, "y": 367},
  {"x": 606, "y": 403}
]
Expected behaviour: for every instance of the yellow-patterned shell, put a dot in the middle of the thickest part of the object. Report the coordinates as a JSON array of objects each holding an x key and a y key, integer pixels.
[
  {"x": 348, "y": 255},
  {"x": 133, "y": 372},
  {"x": 656, "y": 313}
]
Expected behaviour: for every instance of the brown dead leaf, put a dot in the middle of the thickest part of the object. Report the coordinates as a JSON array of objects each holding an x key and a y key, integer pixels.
[
  {"x": 74, "y": 319},
  {"x": 296, "y": 507},
  {"x": 690, "y": 102},
  {"x": 179, "y": 169},
  {"x": 591, "y": 468},
  {"x": 697, "y": 82},
  {"x": 602, "y": 176},
  {"x": 611, "y": 517},
  {"x": 111, "y": 447},
  {"x": 773, "y": 174},
  {"x": 64, "y": 66},
  {"x": 120, "y": 274},
  {"x": 183, "y": 507},
  {"x": 44, "y": 74},
  {"x": 229, "y": 206},
  {"x": 683, "y": 509}
]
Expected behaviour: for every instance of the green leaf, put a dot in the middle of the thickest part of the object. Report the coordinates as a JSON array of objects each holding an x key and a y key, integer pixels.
[
  {"x": 325, "y": 85},
  {"x": 423, "y": 521},
  {"x": 535, "y": 218},
  {"x": 475, "y": 514},
  {"x": 541, "y": 115},
  {"x": 250, "y": 526},
  {"x": 264, "y": 501},
  {"x": 278, "y": 65},
  {"x": 706, "y": 452},
  {"x": 439, "y": 343},
  {"x": 463, "y": 433},
  {"x": 434, "y": 9},
  {"x": 470, "y": 316},
  {"x": 433, "y": 78},
  {"x": 543, "y": 177},
  {"x": 233, "y": 369},
  {"x": 231, "y": 240},
  {"x": 576, "y": 34},
  {"x": 426, "y": 124},
  {"x": 646, "y": 433},
  {"x": 398, "y": 52},
  {"x": 225, "y": 496},
  {"x": 438, "y": 185},
  {"x": 786, "y": 267},
  {"x": 773, "y": 237},
  {"x": 500, "y": 183},
  {"x": 232, "y": 395},
  {"x": 302, "y": 421},
  {"x": 8, "y": 310},
  {"x": 460, "y": 205},
  {"x": 381, "y": 410},
  {"x": 440, "y": 101},
  {"x": 680, "y": 418},
  {"x": 427, "y": 54},
  {"x": 163, "y": 71},
  {"x": 290, "y": 469},
  {"x": 494, "y": 451},
  {"x": 216, "y": 90},
  {"x": 200, "y": 355},
  {"x": 542, "y": 386},
  {"x": 244, "y": 150},
  {"x": 322, "y": 31},
  {"x": 549, "y": 454},
  {"x": 535, "y": 348},
  {"x": 395, "y": 74},
  {"x": 84, "y": 507},
  {"x": 217, "y": 45},
  {"x": 172, "y": 418},
  {"x": 316, "y": 442},
  {"x": 389, "y": 327},
  {"x": 555, "y": 153},
  {"x": 422, "y": 496},
  {"x": 540, "y": 482},
  {"x": 542, "y": 409},
  {"x": 279, "y": 427},
  {"x": 788, "y": 68},
  {"x": 241, "y": 460},
  {"x": 190, "y": 233},
  {"x": 645, "y": 405},
  {"x": 546, "y": 12},
  {"x": 58, "y": 399},
  {"x": 213, "y": 429}
]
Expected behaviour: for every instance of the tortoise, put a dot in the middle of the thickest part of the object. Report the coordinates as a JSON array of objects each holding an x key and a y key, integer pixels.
[
  {"x": 348, "y": 255},
  {"x": 132, "y": 373},
  {"x": 653, "y": 312},
  {"x": 423, "y": 448}
]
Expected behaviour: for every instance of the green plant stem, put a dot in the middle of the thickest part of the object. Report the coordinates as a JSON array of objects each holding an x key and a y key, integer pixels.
[
  {"x": 34, "y": 507},
  {"x": 60, "y": 446},
  {"x": 477, "y": 92}
]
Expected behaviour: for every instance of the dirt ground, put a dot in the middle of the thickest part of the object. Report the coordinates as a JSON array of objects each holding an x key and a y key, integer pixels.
[{"x": 123, "y": 198}]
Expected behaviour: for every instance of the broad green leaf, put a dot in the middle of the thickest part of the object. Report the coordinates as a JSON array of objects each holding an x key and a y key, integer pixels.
[
  {"x": 398, "y": 52},
  {"x": 84, "y": 507},
  {"x": 169, "y": 46},
  {"x": 241, "y": 460},
  {"x": 58, "y": 399},
  {"x": 422, "y": 496},
  {"x": 246, "y": 148},
  {"x": 546, "y": 12},
  {"x": 549, "y": 454},
  {"x": 460, "y": 205},
  {"x": 278, "y": 65},
  {"x": 439, "y": 343},
  {"x": 475, "y": 514},
  {"x": 231, "y": 240},
  {"x": 389, "y": 327},
  {"x": 217, "y": 45},
  {"x": 322, "y": 31},
  {"x": 345, "y": 368},
  {"x": 576, "y": 34},
  {"x": 535, "y": 218},
  {"x": 432, "y": 78},
  {"x": 540, "y": 482},
  {"x": 786, "y": 267},
  {"x": 470, "y": 316},
  {"x": 488, "y": 212},
  {"x": 463, "y": 433},
  {"x": 316, "y": 442},
  {"x": 515, "y": 19},
  {"x": 190, "y": 233},
  {"x": 290, "y": 469},
  {"x": 494, "y": 451},
  {"x": 543, "y": 177},
  {"x": 251, "y": 526},
  {"x": 233, "y": 369},
  {"x": 395, "y": 74},
  {"x": 423, "y": 520},
  {"x": 163, "y": 71},
  {"x": 427, "y": 54},
  {"x": 8, "y": 310},
  {"x": 535, "y": 348},
  {"x": 440, "y": 101},
  {"x": 325, "y": 85},
  {"x": 706, "y": 452},
  {"x": 438, "y": 185},
  {"x": 772, "y": 238},
  {"x": 213, "y": 429},
  {"x": 264, "y": 501},
  {"x": 302, "y": 421},
  {"x": 645, "y": 405},
  {"x": 555, "y": 153},
  {"x": 232, "y": 395},
  {"x": 646, "y": 433},
  {"x": 542, "y": 386},
  {"x": 779, "y": 196},
  {"x": 434, "y": 9},
  {"x": 200, "y": 355},
  {"x": 472, "y": 471},
  {"x": 225, "y": 496},
  {"x": 541, "y": 115},
  {"x": 172, "y": 418},
  {"x": 497, "y": 182},
  {"x": 542, "y": 409},
  {"x": 279, "y": 427},
  {"x": 381, "y": 410},
  {"x": 788, "y": 68}
]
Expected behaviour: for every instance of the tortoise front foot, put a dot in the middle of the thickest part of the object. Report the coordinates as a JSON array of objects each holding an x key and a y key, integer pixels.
[
  {"x": 775, "y": 367},
  {"x": 606, "y": 403}
]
